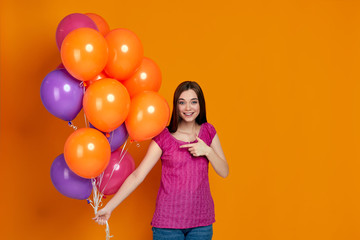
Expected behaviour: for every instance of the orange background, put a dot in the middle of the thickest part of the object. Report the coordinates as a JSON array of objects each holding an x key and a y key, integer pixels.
[{"x": 281, "y": 80}]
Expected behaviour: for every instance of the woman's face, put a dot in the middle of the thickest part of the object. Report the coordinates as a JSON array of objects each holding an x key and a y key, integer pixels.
[{"x": 188, "y": 105}]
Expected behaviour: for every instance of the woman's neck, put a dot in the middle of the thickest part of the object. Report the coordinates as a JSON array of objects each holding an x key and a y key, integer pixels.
[
  {"x": 187, "y": 131},
  {"x": 187, "y": 126}
]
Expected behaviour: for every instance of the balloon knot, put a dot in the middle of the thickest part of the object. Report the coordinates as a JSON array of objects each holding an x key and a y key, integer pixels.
[
  {"x": 107, "y": 134},
  {"x": 104, "y": 196}
]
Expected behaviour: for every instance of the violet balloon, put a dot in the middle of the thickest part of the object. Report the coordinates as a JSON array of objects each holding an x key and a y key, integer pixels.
[
  {"x": 70, "y": 23},
  {"x": 67, "y": 182},
  {"x": 121, "y": 165},
  {"x": 117, "y": 137},
  {"x": 62, "y": 94}
]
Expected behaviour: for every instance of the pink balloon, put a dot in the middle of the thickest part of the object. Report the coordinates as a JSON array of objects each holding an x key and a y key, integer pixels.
[
  {"x": 72, "y": 22},
  {"x": 121, "y": 165}
]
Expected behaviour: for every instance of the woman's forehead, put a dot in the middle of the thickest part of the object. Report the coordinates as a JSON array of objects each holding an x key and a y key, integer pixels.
[{"x": 188, "y": 94}]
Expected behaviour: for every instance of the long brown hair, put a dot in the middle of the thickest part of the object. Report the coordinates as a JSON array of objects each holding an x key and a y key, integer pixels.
[{"x": 175, "y": 118}]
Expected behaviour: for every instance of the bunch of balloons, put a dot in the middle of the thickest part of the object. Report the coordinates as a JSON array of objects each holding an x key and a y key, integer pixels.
[{"x": 104, "y": 72}]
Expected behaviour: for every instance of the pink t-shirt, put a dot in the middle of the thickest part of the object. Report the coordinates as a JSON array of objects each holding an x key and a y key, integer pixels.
[{"x": 184, "y": 199}]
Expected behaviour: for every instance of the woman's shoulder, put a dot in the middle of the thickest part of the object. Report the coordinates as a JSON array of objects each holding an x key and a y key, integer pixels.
[
  {"x": 208, "y": 126},
  {"x": 209, "y": 130},
  {"x": 162, "y": 137},
  {"x": 163, "y": 133}
]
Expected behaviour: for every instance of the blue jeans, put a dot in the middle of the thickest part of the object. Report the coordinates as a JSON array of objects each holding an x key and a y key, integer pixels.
[{"x": 196, "y": 233}]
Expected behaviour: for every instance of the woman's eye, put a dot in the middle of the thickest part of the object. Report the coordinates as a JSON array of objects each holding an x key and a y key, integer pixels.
[
  {"x": 194, "y": 102},
  {"x": 181, "y": 103}
]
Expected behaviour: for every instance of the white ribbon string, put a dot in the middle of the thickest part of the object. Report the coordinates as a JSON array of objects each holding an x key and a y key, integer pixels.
[
  {"x": 84, "y": 89},
  {"x": 96, "y": 203},
  {"x": 70, "y": 124},
  {"x": 124, "y": 149},
  {"x": 97, "y": 196}
]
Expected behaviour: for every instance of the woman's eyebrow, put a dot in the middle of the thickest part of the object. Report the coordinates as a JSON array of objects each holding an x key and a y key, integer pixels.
[{"x": 190, "y": 99}]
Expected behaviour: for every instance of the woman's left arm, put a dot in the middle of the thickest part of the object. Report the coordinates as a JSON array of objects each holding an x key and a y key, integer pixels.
[
  {"x": 214, "y": 154},
  {"x": 216, "y": 157}
]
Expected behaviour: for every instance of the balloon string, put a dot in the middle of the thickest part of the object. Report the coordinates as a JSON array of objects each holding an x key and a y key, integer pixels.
[
  {"x": 121, "y": 155},
  {"x": 107, "y": 230},
  {"x": 96, "y": 203},
  {"x": 97, "y": 195},
  {"x": 82, "y": 84},
  {"x": 100, "y": 177},
  {"x": 70, "y": 124},
  {"x": 111, "y": 136},
  {"x": 122, "y": 150}
]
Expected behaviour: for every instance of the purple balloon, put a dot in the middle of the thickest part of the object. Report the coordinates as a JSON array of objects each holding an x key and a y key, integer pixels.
[
  {"x": 62, "y": 94},
  {"x": 67, "y": 182},
  {"x": 70, "y": 23},
  {"x": 117, "y": 137}
]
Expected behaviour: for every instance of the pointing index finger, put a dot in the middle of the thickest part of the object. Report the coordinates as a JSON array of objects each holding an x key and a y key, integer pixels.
[{"x": 186, "y": 145}]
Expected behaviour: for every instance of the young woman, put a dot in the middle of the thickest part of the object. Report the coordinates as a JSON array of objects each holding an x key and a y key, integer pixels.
[{"x": 184, "y": 206}]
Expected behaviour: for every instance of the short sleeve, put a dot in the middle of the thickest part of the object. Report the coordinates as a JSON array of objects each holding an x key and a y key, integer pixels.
[
  {"x": 160, "y": 139},
  {"x": 211, "y": 131}
]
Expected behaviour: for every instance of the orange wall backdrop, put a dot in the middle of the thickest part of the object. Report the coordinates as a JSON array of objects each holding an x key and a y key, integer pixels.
[{"x": 282, "y": 84}]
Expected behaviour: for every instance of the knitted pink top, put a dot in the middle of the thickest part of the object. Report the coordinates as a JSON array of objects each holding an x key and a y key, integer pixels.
[{"x": 184, "y": 199}]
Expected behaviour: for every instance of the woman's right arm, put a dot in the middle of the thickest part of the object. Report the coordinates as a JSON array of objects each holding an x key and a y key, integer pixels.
[{"x": 131, "y": 183}]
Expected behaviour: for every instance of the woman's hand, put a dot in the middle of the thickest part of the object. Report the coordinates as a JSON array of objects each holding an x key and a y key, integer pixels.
[
  {"x": 102, "y": 216},
  {"x": 197, "y": 149}
]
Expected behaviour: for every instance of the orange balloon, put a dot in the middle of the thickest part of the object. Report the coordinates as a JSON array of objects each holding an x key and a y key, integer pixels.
[
  {"x": 87, "y": 152},
  {"x": 84, "y": 53},
  {"x": 106, "y": 103},
  {"x": 100, "y": 22},
  {"x": 148, "y": 116},
  {"x": 125, "y": 53},
  {"x": 146, "y": 78}
]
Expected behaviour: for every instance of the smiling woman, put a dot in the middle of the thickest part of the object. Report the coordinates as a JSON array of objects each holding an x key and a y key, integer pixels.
[
  {"x": 186, "y": 148},
  {"x": 189, "y": 99}
]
